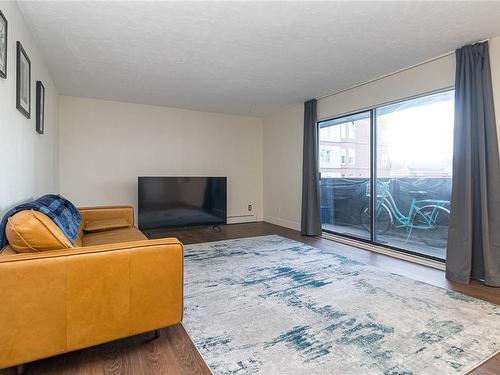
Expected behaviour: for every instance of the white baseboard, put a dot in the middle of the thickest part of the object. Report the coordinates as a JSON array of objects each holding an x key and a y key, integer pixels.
[
  {"x": 235, "y": 219},
  {"x": 282, "y": 222}
]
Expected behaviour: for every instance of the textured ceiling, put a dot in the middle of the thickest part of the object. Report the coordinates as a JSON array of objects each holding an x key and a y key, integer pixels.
[{"x": 251, "y": 58}]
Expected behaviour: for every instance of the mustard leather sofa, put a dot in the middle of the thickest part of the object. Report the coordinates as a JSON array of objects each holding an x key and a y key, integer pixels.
[{"x": 114, "y": 284}]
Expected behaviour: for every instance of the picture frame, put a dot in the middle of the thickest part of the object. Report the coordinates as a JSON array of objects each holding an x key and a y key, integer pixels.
[
  {"x": 23, "y": 81},
  {"x": 3, "y": 45},
  {"x": 40, "y": 107}
]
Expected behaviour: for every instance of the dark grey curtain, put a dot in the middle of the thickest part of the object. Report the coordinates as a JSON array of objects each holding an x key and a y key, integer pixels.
[
  {"x": 474, "y": 228},
  {"x": 311, "y": 219}
]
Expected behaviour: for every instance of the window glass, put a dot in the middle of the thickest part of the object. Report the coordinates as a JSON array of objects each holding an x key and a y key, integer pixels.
[{"x": 345, "y": 169}]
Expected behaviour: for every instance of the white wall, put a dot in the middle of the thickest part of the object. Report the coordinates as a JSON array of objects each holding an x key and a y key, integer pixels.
[
  {"x": 435, "y": 75},
  {"x": 283, "y": 131},
  {"x": 29, "y": 166},
  {"x": 495, "y": 78},
  {"x": 106, "y": 145},
  {"x": 283, "y": 134}
]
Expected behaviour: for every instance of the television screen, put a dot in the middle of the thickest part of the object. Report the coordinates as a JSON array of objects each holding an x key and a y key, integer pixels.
[{"x": 181, "y": 201}]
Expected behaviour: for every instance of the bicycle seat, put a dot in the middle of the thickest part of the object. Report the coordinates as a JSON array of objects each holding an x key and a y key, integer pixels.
[{"x": 417, "y": 193}]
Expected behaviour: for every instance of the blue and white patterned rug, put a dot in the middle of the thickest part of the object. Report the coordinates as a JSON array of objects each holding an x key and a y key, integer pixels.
[{"x": 270, "y": 305}]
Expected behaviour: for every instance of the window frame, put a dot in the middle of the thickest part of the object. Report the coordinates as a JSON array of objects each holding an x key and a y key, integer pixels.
[{"x": 373, "y": 166}]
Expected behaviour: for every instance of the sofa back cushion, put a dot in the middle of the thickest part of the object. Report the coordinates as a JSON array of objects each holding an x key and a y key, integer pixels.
[
  {"x": 30, "y": 231},
  {"x": 92, "y": 226},
  {"x": 113, "y": 236}
]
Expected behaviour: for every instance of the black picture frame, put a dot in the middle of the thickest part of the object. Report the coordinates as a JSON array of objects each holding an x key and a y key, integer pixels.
[
  {"x": 23, "y": 82},
  {"x": 3, "y": 69},
  {"x": 40, "y": 107}
]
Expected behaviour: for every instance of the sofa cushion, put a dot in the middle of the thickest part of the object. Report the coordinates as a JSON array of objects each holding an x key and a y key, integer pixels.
[
  {"x": 60, "y": 211},
  {"x": 7, "y": 250},
  {"x": 105, "y": 224},
  {"x": 79, "y": 238},
  {"x": 30, "y": 231},
  {"x": 113, "y": 236}
]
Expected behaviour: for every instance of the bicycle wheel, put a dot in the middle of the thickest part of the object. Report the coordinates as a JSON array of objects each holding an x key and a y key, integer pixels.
[
  {"x": 431, "y": 225},
  {"x": 383, "y": 220}
]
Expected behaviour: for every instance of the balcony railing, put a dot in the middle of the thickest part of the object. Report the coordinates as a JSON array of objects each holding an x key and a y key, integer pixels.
[{"x": 344, "y": 199}]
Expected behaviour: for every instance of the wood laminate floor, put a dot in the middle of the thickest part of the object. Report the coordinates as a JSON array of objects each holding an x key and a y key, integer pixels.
[{"x": 174, "y": 353}]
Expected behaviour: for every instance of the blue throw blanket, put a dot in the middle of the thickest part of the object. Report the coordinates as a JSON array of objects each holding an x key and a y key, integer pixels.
[{"x": 62, "y": 212}]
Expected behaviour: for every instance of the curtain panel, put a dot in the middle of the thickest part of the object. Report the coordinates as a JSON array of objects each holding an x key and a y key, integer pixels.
[
  {"x": 474, "y": 227},
  {"x": 311, "y": 218}
]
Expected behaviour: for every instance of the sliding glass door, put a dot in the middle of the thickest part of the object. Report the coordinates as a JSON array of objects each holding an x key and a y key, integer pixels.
[
  {"x": 402, "y": 152},
  {"x": 345, "y": 164}
]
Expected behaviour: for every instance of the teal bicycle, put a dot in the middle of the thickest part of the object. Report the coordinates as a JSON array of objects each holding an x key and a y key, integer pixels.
[{"x": 431, "y": 215}]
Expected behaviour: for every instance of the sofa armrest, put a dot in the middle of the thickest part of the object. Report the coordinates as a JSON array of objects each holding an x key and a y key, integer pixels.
[
  {"x": 58, "y": 301},
  {"x": 107, "y": 212}
]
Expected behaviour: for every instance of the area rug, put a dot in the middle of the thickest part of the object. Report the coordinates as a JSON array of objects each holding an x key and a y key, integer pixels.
[{"x": 270, "y": 305}]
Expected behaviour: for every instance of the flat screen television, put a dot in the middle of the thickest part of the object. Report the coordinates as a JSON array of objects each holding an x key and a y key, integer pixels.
[{"x": 166, "y": 202}]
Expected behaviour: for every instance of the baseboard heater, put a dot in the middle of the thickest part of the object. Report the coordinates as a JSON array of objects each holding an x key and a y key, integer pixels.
[{"x": 235, "y": 219}]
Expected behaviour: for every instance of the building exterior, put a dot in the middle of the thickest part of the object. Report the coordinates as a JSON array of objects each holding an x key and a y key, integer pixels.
[{"x": 345, "y": 150}]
